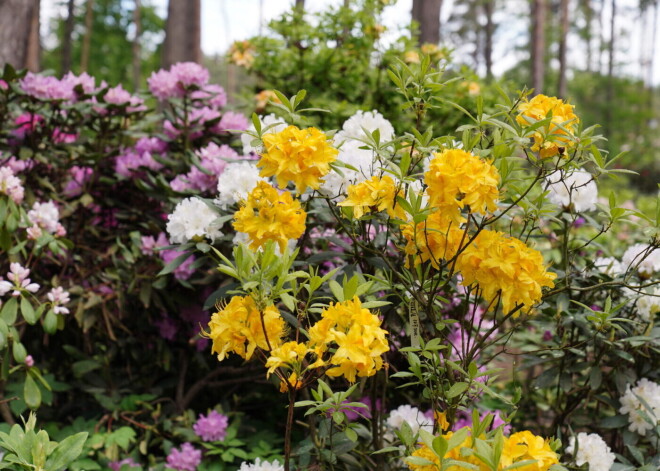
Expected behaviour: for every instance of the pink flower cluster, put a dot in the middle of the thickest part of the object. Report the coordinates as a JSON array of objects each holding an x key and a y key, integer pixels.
[
  {"x": 150, "y": 246},
  {"x": 129, "y": 163},
  {"x": 212, "y": 427},
  {"x": 185, "y": 459},
  {"x": 58, "y": 297},
  {"x": 118, "y": 96},
  {"x": 18, "y": 275},
  {"x": 51, "y": 88},
  {"x": 44, "y": 217},
  {"x": 28, "y": 123},
  {"x": 212, "y": 160},
  {"x": 78, "y": 178},
  {"x": 177, "y": 81}
]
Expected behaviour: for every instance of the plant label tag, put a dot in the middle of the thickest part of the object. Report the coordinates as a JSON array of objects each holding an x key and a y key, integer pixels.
[{"x": 413, "y": 321}]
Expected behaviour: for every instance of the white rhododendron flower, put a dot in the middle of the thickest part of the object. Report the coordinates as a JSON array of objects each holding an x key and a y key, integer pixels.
[
  {"x": 648, "y": 305},
  {"x": 609, "y": 266},
  {"x": 414, "y": 417},
  {"x": 192, "y": 218},
  {"x": 362, "y": 160},
  {"x": 643, "y": 258},
  {"x": 267, "y": 120},
  {"x": 18, "y": 281},
  {"x": 591, "y": 450},
  {"x": 11, "y": 185},
  {"x": 237, "y": 180},
  {"x": 45, "y": 216},
  {"x": 577, "y": 189},
  {"x": 355, "y": 127},
  {"x": 631, "y": 405},
  {"x": 259, "y": 465},
  {"x": 58, "y": 297}
]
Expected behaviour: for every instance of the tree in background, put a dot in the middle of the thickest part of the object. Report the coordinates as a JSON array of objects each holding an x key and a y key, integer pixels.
[
  {"x": 106, "y": 42},
  {"x": 183, "y": 32},
  {"x": 537, "y": 49},
  {"x": 427, "y": 14},
  {"x": 19, "y": 33}
]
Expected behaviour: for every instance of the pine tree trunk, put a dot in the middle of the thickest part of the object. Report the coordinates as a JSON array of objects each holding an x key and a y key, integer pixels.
[
  {"x": 427, "y": 14},
  {"x": 562, "y": 85},
  {"x": 488, "y": 42},
  {"x": 137, "y": 49},
  {"x": 87, "y": 38},
  {"x": 300, "y": 5},
  {"x": 538, "y": 45},
  {"x": 19, "y": 33},
  {"x": 183, "y": 32},
  {"x": 67, "y": 38}
]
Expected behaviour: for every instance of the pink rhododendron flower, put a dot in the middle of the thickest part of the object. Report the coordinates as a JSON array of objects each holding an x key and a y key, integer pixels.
[{"x": 212, "y": 427}]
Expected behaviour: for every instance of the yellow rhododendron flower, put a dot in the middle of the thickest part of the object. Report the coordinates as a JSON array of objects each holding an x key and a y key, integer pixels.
[
  {"x": 537, "y": 109},
  {"x": 239, "y": 328},
  {"x": 375, "y": 194},
  {"x": 268, "y": 214},
  {"x": 411, "y": 57},
  {"x": 356, "y": 332},
  {"x": 264, "y": 97},
  {"x": 438, "y": 238},
  {"x": 288, "y": 354},
  {"x": 502, "y": 264},
  {"x": 428, "y": 454},
  {"x": 536, "y": 448},
  {"x": 241, "y": 54},
  {"x": 457, "y": 179},
  {"x": 301, "y": 156},
  {"x": 291, "y": 380}
]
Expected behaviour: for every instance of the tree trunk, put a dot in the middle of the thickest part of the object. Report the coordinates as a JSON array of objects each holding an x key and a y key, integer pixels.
[
  {"x": 610, "y": 73},
  {"x": 538, "y": 45},
  {"x": 488, "y": 40},
  {"x": 562, "y": 85},
  {"x": 137, "y": 49},
  {"x": 19, "y": 33},
  {"x": 427, "y": 14},
  {"x": 87, "y": 38},
  {"x": 183, "y": 32},
  {"x": 588, "y": 18},
  {"x": 300, "y": 5},
  {"x": 67, "y": 38}
]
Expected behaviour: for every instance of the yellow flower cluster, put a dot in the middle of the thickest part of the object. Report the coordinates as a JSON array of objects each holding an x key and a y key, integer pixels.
[
  {"x": 241, "y": 53},
  {"x": 287, "y": 355},
  {"x": 559, "y": 133},
  {"x": 522, "y": 446},
  {"x": 375, "y": 194},
  {"x": 356, "y": 332},
  {"x": 438, "y": 238},
  {"x": 457, "y": 179},
  {"x": 241, "y": 327},
  {"x": 268, "y": 214},
  {"x": 503, "y": 264},
  {"x": 301, "y": 156}
]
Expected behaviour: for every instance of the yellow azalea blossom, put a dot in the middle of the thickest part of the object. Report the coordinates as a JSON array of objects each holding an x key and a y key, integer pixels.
[
  {"x": 357, "y": 334},
  {"x": 240, "y": 327},
  {"x": 301, "y": 156},
  {"x": 438, "y": 238},
  {"x": 241, "y": 54},
  {"x": 293, "y": 381},
  {"x": 268, "y": 214},
  {"x": 428, "y": 454},
  {"x": 537, "y": 109},
  {"x": 377, "y": 193},
  {"x": 411, "y": 57},
  {"x": 264, "y": 97},
  {"x": 287, "y": 354},
  {"x": 441, "y": 420},
  {"x": 537, "y": 449},
  {"x": 457, "y": 179},
  {"x": 502, "y": 264}
]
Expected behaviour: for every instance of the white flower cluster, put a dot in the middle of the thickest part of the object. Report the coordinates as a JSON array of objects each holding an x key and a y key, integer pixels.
[
  {"x": 59, "y": 297},
  {"x": 259, "y": 465},
  {"x": 11, "y": 185},
  {"x": 642, "y": 257},
  {"x": 591, "y": 450},
  {"x": 648, "y": 305},
  {"x": 237, "y": 180},
  {"x": 349, "y": 140},
  {"x": 192, "y": 218},
  {"x": 609, "y": 266},
  {"x": 631, "y": 405},
  {"x": 577, "y": 189},
  {"x": 414, "y": 417},
  {"x": 267, "y": 120},
  {"x": 45, "y": 216}
]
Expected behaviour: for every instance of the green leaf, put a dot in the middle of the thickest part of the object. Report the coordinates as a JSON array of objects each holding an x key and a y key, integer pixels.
[
  {"x": 457, "y": 389},
  {"x": 66, "y": 452},
  {"x": 174, "y": 264},
  {"x": 27, "y": 311},
  {"x": 9, "y": 311},
  {"x": 31, "y": 393}
]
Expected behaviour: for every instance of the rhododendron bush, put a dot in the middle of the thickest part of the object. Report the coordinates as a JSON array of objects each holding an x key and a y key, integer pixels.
[{"x": 203, "y": 291}]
